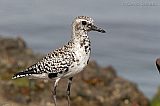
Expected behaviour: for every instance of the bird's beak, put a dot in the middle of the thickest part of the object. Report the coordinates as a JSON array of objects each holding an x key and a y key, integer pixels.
[{"x": 95, "y": 28}]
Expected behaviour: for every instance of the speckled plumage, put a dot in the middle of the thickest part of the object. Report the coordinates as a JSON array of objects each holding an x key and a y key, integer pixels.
[
  {"x": 68, "y": 60},
  {"x": 61, "y": 62}
]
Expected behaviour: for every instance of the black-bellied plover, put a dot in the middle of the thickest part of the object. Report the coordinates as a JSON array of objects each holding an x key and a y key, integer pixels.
[
  {"x": 66, "y": 61},
  {"x": 158, "y": 64}
]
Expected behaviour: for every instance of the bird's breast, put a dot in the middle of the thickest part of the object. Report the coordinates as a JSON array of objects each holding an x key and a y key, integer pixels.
[{"x": 81, "y": 58}]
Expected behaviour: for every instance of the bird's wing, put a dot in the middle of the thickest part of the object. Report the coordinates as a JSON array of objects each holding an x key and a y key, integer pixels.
[{"x": 55, "y": 63}]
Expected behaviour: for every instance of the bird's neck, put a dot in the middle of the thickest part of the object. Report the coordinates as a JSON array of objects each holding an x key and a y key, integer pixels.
[
  {"x": 79, "y": 36},
  {"x": 81, "y": 41}
]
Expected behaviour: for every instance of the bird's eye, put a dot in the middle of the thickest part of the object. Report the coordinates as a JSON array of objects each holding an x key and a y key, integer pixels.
[{"x": 84, "y": 22}]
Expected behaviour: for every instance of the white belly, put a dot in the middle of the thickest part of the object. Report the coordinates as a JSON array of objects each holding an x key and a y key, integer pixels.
[{"x": 81, "y": 61}]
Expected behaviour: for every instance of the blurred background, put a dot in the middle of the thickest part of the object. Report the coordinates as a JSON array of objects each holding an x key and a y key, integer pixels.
[{"x": 131, "y": 44}]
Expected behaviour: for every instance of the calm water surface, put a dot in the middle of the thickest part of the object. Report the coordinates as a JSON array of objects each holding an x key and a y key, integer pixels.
[{"x": 131, "y": 44}]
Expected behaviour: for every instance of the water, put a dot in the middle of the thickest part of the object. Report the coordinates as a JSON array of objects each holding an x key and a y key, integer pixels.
[{"x": 131, "y": 43}]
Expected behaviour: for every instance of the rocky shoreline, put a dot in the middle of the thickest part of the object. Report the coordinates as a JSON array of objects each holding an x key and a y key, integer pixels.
[{"x": 95, "y": 86}]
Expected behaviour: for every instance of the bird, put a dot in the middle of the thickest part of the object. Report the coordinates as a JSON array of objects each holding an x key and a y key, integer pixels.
[
  {"x": 66, "y": 61},
  {"x": 158, "y": 64}
]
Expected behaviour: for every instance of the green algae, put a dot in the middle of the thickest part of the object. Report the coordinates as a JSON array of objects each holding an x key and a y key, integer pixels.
[{"x": 156, "y": 99}]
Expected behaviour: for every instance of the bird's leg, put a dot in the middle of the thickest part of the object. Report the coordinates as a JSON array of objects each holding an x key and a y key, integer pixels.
[
  {"x": 54, "y": 91},
  {"x": 68, "y": 89}
]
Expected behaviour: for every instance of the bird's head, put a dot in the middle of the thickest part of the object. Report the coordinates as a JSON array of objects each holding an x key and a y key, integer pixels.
[{"x": 85, "y": 24}]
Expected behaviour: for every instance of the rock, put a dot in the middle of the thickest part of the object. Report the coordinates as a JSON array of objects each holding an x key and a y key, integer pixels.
[
  {"x": 105, "y": 88},
  {"x": 14, "y": 56},
  {"x": 95, "y": 86}
]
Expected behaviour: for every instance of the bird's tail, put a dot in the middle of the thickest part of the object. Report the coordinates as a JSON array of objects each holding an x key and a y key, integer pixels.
[
  {"x": 158, "y": 67},
  {"x": 28, "y": 72},
  {"x": 158, "y": 64},
  {"x": 21, "y": 74}
]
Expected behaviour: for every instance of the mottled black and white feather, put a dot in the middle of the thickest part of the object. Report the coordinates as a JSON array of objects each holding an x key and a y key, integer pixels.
[
  {"x": 68, "y": 60},
  {"x": 53, "y": 65}
]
